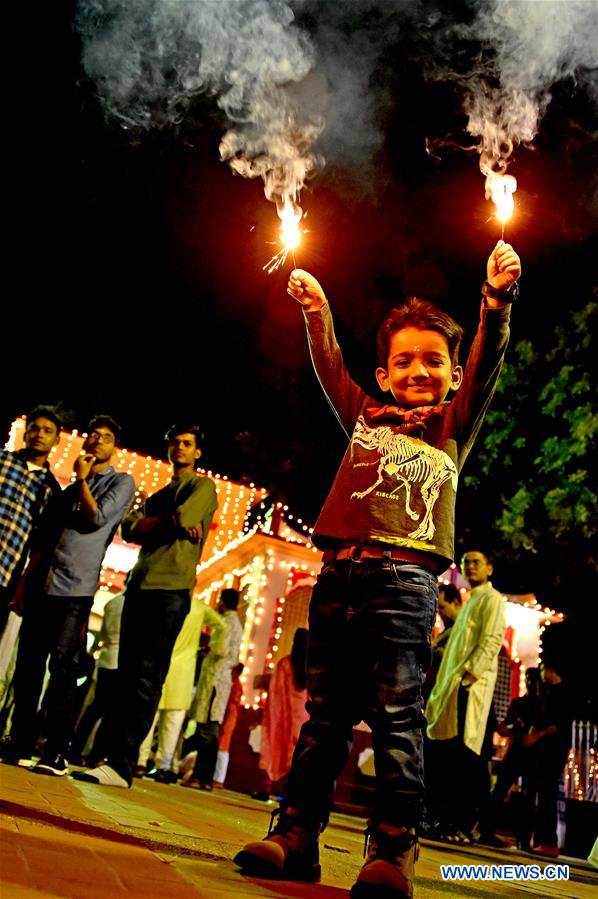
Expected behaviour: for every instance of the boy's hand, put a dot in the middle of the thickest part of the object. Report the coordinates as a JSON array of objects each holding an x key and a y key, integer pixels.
[
  {"x": 303, "y": 287},
  {"x": 504, "y": 266}
]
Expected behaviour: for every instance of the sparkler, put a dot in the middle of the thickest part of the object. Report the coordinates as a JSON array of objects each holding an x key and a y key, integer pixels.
[
  {"x": 500, "y": 189},
  {"x": 290, "y": 236}
]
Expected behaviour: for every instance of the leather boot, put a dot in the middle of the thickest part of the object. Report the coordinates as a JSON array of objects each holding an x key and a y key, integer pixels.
[
  {"x": 388, "y": 870},
  {"x": 288, "y": 852}
]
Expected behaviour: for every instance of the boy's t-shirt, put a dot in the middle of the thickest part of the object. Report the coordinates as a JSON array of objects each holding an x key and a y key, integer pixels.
[{"x": 397, "y": 482}]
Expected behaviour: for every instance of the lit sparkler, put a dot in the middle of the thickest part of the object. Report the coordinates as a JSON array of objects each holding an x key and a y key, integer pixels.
[
  {"x": 290, "y": 236},
  {"x": 500, "y": 189}
]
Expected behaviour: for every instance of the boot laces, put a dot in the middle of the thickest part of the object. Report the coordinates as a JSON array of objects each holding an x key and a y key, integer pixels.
[
  {"x": 293, "y": 825},
  {"x": 380, "y": 844}
]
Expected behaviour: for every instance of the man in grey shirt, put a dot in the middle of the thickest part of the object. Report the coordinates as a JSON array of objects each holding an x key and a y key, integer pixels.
[{"x": 56, "y": 609}]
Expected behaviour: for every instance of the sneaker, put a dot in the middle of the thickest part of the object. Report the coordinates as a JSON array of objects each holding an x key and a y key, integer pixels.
[
  {"x": 103, "y": 775},
  {"x": 389, "y": 867},
  {"x": 289, "y": 851},
  {"x": 163, "y": 776},
  {"x": 55, "y": 766}
]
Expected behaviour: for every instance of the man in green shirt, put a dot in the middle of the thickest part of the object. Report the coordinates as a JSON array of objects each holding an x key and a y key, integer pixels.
[{"x": 171, "y": 527}]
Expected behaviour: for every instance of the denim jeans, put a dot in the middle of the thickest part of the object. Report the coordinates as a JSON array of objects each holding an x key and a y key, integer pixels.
[
  {"x": 370, "y": 628},
  {"x": 151, "y": 621},
  {"x": 53, "y": 626}
]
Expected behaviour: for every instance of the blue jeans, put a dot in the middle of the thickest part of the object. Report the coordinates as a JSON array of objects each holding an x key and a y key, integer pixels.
[
  {"x": 151, "y": 621},
  {"x": 370, "y": 628}
]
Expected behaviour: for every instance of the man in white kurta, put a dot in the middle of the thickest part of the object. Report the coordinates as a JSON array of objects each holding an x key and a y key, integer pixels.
[
  {"x": 178, "y": 689},
  {"x": 467, "y": 673}
]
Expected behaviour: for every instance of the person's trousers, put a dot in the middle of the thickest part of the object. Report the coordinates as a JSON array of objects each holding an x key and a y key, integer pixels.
[
  {"x": 466, "y": 786},
  {"x": 100, "y": 707},
  {"x": 169, "y": 723},
  {"x": 370, "y": 627},
  {"x": 222, "y": 760},
  {"x": 206, "y": 741},
  {"x": 541, "y": 789},
  {"x": 53, "y": 626},
  {"x": 151, "y": 621},
  {"x": 513, "y": 765}
]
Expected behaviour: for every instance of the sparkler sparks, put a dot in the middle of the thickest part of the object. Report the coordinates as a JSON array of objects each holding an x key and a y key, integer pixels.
[
  {"x": 290, "y": 236},
  {"x": 500, "y": 189}
]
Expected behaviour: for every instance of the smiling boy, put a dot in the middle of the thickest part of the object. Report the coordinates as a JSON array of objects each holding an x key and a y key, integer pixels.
[{"x": 387, "y": 530}]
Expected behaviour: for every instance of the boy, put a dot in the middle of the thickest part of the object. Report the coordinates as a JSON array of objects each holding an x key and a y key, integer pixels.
[{"x": 387, "y": 532}]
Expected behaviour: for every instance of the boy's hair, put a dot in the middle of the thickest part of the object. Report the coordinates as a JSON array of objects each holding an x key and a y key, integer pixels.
[
  {"x": 228, "y": 596},
  {"x": 106, "y": 421},
  {"x": 416, "y": 313},
  {"x": 186, "y": 427},
  {"x": 48, "y": 412}
]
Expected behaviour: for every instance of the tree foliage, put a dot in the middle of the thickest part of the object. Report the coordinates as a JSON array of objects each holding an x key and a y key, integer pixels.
[{"x": 532, "y": 465}]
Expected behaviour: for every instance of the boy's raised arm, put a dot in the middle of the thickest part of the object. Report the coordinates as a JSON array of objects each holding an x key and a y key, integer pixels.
[
  {"x": 488, "y": 348},
  {"x": 343, "y": 394}
]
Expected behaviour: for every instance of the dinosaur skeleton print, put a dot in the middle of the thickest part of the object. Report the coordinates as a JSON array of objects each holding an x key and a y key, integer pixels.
[{"x": 404, "y": 463}]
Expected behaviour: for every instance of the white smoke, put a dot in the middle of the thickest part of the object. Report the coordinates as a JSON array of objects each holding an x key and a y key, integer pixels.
[
  {"x": 150, "y": 58},
  {"x": 277, "y": 84},
  {"x": 527, "y": 46}
]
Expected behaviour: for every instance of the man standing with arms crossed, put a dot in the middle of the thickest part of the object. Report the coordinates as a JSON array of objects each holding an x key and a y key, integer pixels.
[{"x": 172, "y": 529}]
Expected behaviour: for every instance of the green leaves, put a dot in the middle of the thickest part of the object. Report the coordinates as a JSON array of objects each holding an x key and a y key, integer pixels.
[{"x": 533, "y": 458}]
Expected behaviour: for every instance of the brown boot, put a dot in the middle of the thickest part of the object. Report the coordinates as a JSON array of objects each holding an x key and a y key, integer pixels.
[
  {"x": 289, "y": 851},
  {"x": 389, "y": 867}
]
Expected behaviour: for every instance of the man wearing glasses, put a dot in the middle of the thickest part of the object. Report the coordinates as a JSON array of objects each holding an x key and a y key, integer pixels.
[{"x": 59, "y": 593}]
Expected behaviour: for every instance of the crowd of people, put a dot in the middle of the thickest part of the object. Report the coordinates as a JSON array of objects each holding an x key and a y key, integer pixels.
[
  {"x": 386, "y": 533},
  {"x": 53, "y": 545}
]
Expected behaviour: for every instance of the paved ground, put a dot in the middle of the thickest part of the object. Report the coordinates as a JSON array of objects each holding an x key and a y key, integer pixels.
[{"x": 63, "y": 838}]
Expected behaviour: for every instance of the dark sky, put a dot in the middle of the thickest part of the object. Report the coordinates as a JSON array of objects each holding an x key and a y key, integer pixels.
[{"x": 137, "y": 264}]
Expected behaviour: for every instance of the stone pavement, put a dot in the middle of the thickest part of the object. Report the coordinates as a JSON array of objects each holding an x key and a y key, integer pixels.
[{"x": 63, "y": 838}]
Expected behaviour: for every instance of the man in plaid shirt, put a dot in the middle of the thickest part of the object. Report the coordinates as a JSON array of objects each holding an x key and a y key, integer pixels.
[{"x": 26, "y": 486}]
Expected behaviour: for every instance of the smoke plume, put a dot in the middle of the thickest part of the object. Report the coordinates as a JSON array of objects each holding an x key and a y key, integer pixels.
[
  {"x": 296, "y": 78},
  {"x": 150, "y": 58},
  {"x": 523, "y": 47}
]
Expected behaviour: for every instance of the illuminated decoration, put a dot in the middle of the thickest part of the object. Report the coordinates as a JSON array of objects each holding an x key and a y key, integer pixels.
[
  {"x": 234, "y": 500},
  {"x": 581, "y": 773},
  {"x": 253, "y": 546},
  {"x": 259, "y": 565}
]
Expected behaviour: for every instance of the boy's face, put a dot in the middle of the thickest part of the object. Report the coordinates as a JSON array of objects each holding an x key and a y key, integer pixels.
[{"x": 419, "y": 370}]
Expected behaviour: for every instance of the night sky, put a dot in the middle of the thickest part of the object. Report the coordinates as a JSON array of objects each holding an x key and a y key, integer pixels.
[{"x": 136, "y": 260}]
